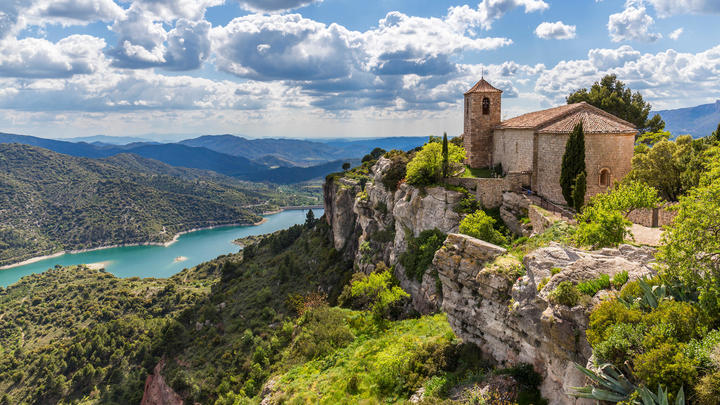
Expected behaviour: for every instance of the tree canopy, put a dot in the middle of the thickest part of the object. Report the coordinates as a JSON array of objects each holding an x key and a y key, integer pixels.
[{"x": 611, "y": 95}]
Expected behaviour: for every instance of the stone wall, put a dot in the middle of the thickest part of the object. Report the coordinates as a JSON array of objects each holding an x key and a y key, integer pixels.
[
  {"x": 513, "y": 148},
  {"x": 657, "y": 217},
  {"x": 478, "y": 128},
  {"x": 602, "y": 151},
  {"x": 489, "y": 191}
]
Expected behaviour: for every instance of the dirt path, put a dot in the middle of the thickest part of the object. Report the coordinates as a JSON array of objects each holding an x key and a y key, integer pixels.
[{"x": 646, "y": 236}]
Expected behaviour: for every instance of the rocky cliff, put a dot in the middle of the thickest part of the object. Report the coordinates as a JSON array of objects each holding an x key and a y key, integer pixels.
[
  {"x": 492, "y": 298},
  {"x": 374, "y": 225}
]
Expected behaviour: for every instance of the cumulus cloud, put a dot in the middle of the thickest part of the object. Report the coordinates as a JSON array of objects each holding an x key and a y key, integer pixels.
[
  {"x": 274, "y": 5},
  {"x": 666, "y": 8},
  {"x": 144, "y": 42},
  {"x": 555, "y": 30},
  {"x": 413, "y": 45},
  {"x": 490, "y": 10},
  {"x": 632, "y": 24},
  {"x": 168, "y": 10},
  {"x": 284, "y": 47},
  {"x": 662, "y": 76},
  {"x": 676, "y": 34},
  {"x": 71, "y": 12},
  {"x": 39, "y": 58}
]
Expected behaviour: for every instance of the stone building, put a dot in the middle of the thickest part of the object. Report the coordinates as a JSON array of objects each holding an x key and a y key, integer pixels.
[{"x": 533, "y": 144}]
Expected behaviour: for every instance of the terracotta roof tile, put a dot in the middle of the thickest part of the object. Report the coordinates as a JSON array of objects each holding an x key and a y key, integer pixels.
[
  {"x": 483, "y": 87},
  {"x": 564, "y": 118}
]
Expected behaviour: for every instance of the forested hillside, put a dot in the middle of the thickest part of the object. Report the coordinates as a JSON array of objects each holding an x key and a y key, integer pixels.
[{"x": 51, "y": 202}]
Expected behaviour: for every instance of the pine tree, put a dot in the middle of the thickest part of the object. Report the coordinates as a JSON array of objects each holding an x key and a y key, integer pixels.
[
  {"x": 573, "y": 162},
  {"x": 445, "y": 156},
  {"x": 310, "y": 219},
  {"x": 579, "y": 190}
]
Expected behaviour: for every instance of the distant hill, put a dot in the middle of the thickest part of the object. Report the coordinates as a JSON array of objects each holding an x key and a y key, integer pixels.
[
  {"x": 291, "y": 175},
  {"x": 363, "y": 146},
  {"x": 298, "y": 152},
  {"x": 698, "y": 121},
  {"x": 173, "y": 154},
  {"x": 108, "y": 140},
  {"x": 51, "y": 201}
]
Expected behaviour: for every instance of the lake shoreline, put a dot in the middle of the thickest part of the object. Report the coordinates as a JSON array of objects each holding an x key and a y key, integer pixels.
[{"x": 163, "y": 244}]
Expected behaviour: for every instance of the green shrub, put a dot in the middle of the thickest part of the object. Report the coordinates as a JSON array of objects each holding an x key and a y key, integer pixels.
[
  {"x": 566, "y": 293},
  {"x": 607, "y": 314},
  {"x": 591, "y": 287},
  {"x": 703, "y": 349},
  {"x": 708, "y": 389},
  {"x": 619, "y": 279},
  {"x": 555, "y": 270},
  {"x": 480, "y": 225},
  {"x": 397, "y": 170},
  {"x": 603, "y": 222},
  {"x": 378, "y": 290},
  {"x": 675, "y": 321},
  {"x": 320, "y": 331},
  {"x": 623, "y": 342},
  {"x": 426, "y": 167},
  {"x": 420, "y": 252},
  {"x": 666, "y": 365}
]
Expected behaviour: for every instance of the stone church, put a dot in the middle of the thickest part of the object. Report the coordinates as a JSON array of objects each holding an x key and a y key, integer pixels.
[{"x": 531, "y": 146}]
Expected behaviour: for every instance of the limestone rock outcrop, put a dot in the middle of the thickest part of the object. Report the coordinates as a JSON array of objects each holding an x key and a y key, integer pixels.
[
  {"x": 374, "y": 225},
  {"x": 513, "y": 322},
  {"x": 157, "y": 391}
]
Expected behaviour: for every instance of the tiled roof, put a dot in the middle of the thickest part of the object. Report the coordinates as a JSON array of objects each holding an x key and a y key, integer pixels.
[
  {"x": 483, "y": 87},
  {"x": 564, "y": 118}
]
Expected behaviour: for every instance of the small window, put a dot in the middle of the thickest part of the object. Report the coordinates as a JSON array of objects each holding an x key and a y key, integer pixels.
[
  {"x": 486, "y": 106},
  {"x": 604, "y": 178},
  {"x": 467, "y": 106}
]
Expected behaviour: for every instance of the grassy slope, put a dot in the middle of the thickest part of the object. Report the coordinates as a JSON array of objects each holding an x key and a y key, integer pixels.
[{"x": 50, "y": 202}]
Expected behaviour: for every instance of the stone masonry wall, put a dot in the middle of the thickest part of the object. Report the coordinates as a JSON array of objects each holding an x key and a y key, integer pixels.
[
  {"x": 514, "y": 149},
  {"x": 478, "y": 128},
  {"x": 644, "y": 217},
  {"x": 613, "y": 152}
]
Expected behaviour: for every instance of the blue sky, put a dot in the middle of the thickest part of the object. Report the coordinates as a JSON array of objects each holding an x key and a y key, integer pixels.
[{"x": 333, "y": 68}]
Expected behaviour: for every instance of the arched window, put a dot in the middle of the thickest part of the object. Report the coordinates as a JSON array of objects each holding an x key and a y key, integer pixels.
[
  {"x": 486, "y": 106},
  {"x": 605, "y": 178}
]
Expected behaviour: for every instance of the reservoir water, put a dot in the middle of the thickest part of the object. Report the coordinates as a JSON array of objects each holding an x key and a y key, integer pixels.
[{"x": 160, "y": 261}]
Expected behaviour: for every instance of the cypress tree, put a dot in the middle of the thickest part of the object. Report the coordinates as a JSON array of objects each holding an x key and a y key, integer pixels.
[
  {"x": 445, "y": 156},
  {"x": 579, "y": 190},
  {"x": 573, "y": 162}
]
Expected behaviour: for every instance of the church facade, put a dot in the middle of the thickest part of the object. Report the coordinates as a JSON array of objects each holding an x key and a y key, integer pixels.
[{"x": 533, "y": 144}]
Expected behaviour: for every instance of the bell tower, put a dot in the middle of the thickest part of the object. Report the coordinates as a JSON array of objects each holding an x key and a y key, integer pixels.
[{"x": 482, "y": 115}]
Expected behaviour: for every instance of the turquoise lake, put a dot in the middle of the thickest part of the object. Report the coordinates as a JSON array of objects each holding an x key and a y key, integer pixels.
[{"x": 159, "y": 261}]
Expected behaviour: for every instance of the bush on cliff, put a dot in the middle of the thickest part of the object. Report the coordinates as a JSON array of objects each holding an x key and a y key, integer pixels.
[
  {"x": 420, "y": 252},
  {"x": 480, "y": 225},
  {"x": 425, "y": 168},
  {"x": 397, "y": 170}
]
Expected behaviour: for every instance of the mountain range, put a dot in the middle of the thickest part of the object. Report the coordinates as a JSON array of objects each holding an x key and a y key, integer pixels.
[
  {"x": 282, "y": 161},
  {"x": 698, "y": 121}
]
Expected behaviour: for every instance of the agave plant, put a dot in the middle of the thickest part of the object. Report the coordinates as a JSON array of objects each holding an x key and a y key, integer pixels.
[
  {"x": 609, "y": 385},
  {"x": 648, "y": 397}
]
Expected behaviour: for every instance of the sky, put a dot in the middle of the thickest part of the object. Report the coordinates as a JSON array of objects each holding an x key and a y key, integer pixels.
[{"x": 169, "y": 69}]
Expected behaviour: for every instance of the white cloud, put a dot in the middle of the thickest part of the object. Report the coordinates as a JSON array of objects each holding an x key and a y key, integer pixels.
[
  {"x": 632, "y": 24},
  {"x": 70, "y": 12},
  {"x": 463, "y": 17},
  {"x": 663, "y": 77},
  {"x": 555, "y": 30},
  {"x": 284, "y": 47},
  {"x": 39, "y": 58},
  {"x": 666, "y": 8},
  {"x": 676, "y": 34},
  {"x": 168, "y": 10},
  {"x": 274, "y": 5}
]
